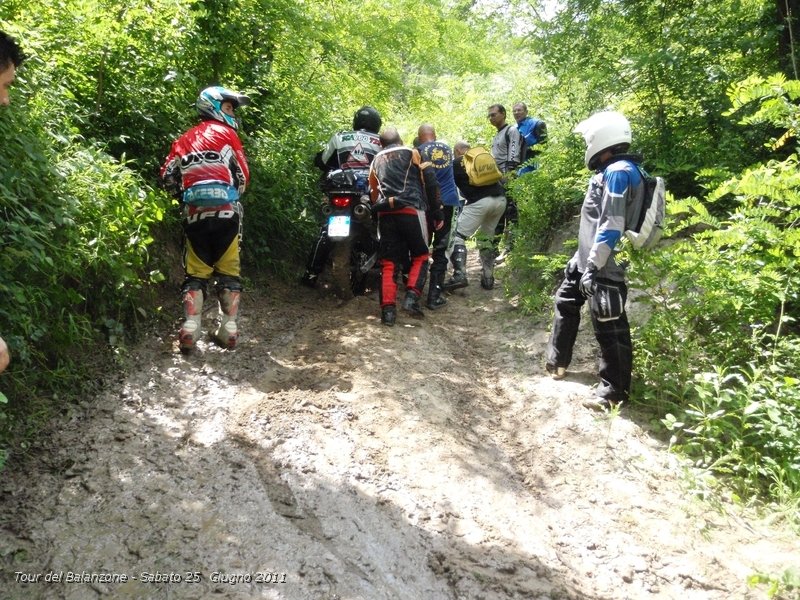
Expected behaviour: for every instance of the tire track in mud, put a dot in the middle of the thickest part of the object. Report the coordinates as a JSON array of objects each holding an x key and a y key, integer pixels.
[{"x": 430, "y": 460}]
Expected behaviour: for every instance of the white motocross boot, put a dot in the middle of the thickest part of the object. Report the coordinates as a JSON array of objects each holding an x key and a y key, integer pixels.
[
  {"x": 227, "y": 334},
  {"x": 193, "y": 311}
]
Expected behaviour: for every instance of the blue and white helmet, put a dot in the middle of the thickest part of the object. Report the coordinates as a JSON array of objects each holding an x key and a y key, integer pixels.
[{"x": 209, "y": 104}]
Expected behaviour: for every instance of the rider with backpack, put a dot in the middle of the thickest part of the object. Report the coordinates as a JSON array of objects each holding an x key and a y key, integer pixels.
[
  {"x": 478, "y": 180},
  {"x": 613, "y": 203}
]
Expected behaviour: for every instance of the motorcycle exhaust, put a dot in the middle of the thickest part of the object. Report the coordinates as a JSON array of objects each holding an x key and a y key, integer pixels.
[
  {"x": 326, "y": 210},
  {"x": 362, "y": 212}
]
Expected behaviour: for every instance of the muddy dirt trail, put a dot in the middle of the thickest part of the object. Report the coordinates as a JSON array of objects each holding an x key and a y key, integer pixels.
[{"x": 331, "y": 457}]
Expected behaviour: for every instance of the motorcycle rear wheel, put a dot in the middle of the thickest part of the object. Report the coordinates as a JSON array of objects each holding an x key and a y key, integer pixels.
[{"x": 342, "y": 269}]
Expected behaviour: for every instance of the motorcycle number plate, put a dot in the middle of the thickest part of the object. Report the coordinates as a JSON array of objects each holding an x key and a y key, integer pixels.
[{"x": 338, "y": 226}]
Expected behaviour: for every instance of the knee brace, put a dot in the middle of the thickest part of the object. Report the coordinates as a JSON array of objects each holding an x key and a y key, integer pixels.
[
  {"x": 228, "y": 282},
  {"x": 193, "y": 284}
]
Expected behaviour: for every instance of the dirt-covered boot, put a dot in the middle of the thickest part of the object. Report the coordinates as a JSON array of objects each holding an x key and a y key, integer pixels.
[
  {"x": 411, "y": 305},
  {"x": 389, "y": 315},
  {"x": 487, "y": 267},
  {"x": 193, "y": 313},
  {"x": 459, "y": 278},
  {"x": 435, "y": 298},
  {"x": 227, "y": 334}
]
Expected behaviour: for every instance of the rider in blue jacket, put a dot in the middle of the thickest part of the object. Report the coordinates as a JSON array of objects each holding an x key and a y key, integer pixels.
[
  {"x": 440, "y": 157},
  {"x": 533, "y": 133},
  {"x": 612, "y": 205}
]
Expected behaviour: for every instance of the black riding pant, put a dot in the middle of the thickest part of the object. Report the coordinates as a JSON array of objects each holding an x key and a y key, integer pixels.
[
  {"x": 614, "y": 338},
  {"x": 441, "y": 239}
]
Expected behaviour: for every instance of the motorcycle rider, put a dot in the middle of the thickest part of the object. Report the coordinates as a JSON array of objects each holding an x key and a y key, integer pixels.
[
  {"x": 402, "y": 189},
  {"x": 484, "y": 207},
  {"x": 613, "y": 200},
  {"x": 440, "y": 156},
  {"x": 207, "y": 169},
  {"x": 353, "y": 149}
]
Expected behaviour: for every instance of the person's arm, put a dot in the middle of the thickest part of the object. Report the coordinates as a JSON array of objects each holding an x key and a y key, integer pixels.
[
  {"x": 515, "y": 147},
  {"x": 171, "y": 173},
  {"x": 5, "y": 357},
  {"x": 611, "y": 222},
  {"x": 429, "y": 182},
  {"x": 240, "y": 171},
  {"x": 460, "y": 174},
  {"x": 540, "y": 132},
  {"x": 374, "y": 191},
  {"x": 329, "y": 159}
]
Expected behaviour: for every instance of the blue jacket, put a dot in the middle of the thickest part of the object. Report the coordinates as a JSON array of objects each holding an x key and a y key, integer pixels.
[
  {"x": 613, "y": 202},
  {"x": 440, "y": 156}
]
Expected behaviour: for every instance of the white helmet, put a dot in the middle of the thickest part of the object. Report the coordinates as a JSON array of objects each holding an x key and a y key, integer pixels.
[{"x": 601, "y": 131}]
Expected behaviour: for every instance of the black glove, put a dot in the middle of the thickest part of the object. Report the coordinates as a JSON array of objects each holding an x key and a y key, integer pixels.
[
  {"x": 587, "y": 284},
  {"x": 438, "y": 218},
  {"x": 380, "y": 207}
]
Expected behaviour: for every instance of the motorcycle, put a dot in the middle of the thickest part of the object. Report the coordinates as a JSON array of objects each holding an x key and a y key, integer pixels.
[{"x": 351, "y": 230}]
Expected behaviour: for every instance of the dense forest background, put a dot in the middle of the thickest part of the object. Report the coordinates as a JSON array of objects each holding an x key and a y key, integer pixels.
[{"x": 710, "y": 88}]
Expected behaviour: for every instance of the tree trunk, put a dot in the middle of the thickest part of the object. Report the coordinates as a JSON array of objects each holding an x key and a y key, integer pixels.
[{"x": 789, "y": 36}]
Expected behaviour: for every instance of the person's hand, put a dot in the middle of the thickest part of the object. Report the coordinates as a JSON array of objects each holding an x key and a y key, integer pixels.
[
  {"x": 587, "y": 284},
  {"x": 570, "y": 269},
  {"x": 5, "y": 357},
  {"x": 438, "y": 219}
]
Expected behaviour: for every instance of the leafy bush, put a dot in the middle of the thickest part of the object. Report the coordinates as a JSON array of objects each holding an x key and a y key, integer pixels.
[
  {"x": 720, "y": 351},
  {"x": 546, "y": 198},
  {"x": 75, "y": 234}
]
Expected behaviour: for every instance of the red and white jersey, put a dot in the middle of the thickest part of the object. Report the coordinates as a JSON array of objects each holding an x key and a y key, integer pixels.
[{"x": 209, "y": 153}]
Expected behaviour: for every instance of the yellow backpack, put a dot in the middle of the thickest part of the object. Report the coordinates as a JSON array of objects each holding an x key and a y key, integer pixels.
[{"x": 481, "y": 167}]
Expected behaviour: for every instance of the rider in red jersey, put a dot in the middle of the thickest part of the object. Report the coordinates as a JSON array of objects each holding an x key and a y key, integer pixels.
[{"x": 208, "y": 171}]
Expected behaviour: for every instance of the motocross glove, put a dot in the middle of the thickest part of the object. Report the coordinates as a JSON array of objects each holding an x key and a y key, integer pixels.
[{"x": 587, "y": 284}]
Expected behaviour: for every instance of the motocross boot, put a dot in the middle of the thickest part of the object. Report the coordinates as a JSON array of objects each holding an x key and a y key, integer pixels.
[
  {"x": 411, "y": 305},
  {"x": 487, "y": 256},
  {"x": 459, "y": 278},
  {"x": 227, "y": 334},
  {"x": 193, "y": 312},
  {"x": 435, "y": 299},
  {"x": 309, "y": 279},
  {"x": 389, "y": 315}
]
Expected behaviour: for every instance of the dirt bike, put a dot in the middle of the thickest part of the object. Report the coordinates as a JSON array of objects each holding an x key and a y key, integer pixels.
[{"x": 351, "y": 231}]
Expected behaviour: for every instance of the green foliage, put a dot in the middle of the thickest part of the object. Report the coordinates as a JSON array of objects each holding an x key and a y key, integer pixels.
[
  {"x": 720, "y": 350},
  {"x": 75, "y": 232},
  {"x": 666, "y": 65},
  {"x": 783, "y": 586},
  {"x": 535, "y": 278},
  {"x": 546, "y": 198}
]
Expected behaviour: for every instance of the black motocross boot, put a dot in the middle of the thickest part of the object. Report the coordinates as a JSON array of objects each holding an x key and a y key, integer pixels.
[
  {"x": 411, "y": 305},
  {"x": 459, "y": 278},
  {"x": 435, "y": 299}
]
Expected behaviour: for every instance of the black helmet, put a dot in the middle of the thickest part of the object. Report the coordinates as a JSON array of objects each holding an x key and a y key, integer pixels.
[{"x": 367, "y": 118}]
